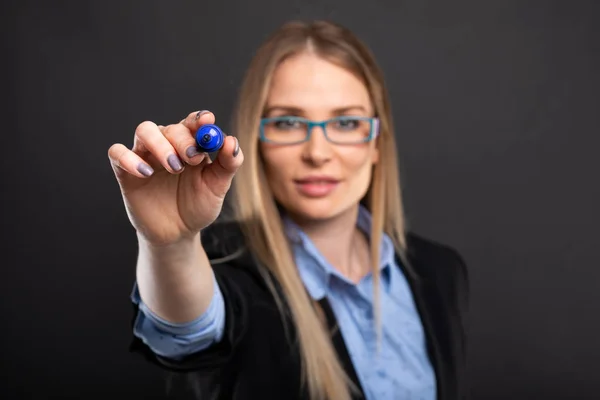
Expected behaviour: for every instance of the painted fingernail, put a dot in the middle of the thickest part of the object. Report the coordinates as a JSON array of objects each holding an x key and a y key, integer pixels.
[
  {"x": 145, "y": 169},
  {"x": 199, "y": 114},
  {"x": 191, "y": 151},
  {"x": 236, "y": 150},
  {"x": 174, "y": 162}
]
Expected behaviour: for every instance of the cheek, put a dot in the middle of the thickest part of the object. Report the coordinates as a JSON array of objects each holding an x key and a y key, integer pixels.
[{"x": 358, "y": 164}]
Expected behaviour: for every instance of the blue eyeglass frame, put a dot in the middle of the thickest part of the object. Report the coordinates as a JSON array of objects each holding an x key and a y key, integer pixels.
[{"x": 322, "y": 124}]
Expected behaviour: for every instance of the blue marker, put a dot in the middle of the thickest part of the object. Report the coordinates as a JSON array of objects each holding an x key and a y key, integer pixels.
[{"x": 210, "y": 138}]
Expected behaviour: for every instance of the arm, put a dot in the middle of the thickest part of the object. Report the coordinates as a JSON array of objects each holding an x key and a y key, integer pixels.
[
  {"x": 177, "y": 340},
  {"x": 183, "y": 310},
  {"x": 175, "y": 281}
]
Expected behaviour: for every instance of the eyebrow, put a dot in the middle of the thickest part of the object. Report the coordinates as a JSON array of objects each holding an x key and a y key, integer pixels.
[{"x": 299, "y": 111}]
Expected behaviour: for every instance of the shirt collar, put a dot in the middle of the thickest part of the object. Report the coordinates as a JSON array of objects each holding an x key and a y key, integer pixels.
[{"x": 315, "y": 271}]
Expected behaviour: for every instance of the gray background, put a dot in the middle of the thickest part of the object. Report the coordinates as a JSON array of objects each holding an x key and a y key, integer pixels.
[{"x": 496, "y": 106}]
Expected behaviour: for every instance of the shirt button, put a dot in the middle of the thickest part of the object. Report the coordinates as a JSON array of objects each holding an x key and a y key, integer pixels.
[
  {"x": 381, "y": 373},
  {"x": 367, "y": 309}
]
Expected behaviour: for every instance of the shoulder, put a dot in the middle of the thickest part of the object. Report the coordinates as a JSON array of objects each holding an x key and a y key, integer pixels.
[
  {"x": 232, "y": 261},
  {"x": 433, "y": 254},
  {"x": 222, "y": 239},
  {"x": 438, "y": 264}
]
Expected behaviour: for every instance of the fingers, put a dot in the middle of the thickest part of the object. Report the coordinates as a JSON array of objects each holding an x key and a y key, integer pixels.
[
  {"x": 150, "y": 139},
  {"x": 124, "y": 160},
  {"x": 156, "y": 147},
  {"x": 184, "y": 143},
  {"x": 181, "y": 148},
  {"x": 196, "y": 119}
]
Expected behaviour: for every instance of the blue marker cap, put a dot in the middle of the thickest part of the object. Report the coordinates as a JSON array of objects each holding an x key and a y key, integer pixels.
[{"x": 210, "y": 138}]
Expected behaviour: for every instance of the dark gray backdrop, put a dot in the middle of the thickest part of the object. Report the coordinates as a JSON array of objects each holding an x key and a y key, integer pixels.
[{"x": 496, "y": 106}]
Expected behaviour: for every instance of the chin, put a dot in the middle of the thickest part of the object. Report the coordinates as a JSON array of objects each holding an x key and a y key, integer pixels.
[{"x": 317, "y": 209}]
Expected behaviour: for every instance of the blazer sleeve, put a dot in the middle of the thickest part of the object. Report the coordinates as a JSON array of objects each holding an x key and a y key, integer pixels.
[{"x": 236, "y": 297}]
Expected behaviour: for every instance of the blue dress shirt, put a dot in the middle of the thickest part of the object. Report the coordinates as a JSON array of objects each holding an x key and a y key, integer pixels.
[{"x": 400, "y": 370}]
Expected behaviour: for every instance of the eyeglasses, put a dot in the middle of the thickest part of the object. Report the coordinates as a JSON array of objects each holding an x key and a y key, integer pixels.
[{"x": 339, "y": 130}]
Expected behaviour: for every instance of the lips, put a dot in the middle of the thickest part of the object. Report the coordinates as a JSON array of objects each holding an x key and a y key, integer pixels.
[
  {"x": 316, "y": 186},
  {"x": 317, "y": 181}
]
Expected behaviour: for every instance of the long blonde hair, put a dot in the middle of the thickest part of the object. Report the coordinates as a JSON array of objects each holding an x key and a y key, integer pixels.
[{"x": 256, "y": 209}]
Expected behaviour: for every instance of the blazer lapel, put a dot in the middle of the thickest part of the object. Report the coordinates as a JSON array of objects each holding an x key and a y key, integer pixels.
[
  {"x": 340, "y": 347},
  {"x": 421, "y": 293}
]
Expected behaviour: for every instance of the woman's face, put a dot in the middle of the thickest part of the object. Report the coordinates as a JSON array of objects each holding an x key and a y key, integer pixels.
[{"x": 317, "y": 179}]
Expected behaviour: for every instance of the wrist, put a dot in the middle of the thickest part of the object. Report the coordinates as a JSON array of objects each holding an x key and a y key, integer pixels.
[
  {"x": 182, "y": 241},
  {"x": 183, "y": 245}
]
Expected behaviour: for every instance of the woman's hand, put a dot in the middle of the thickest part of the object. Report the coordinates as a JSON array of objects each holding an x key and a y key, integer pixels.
[{"x": 170, "y": 190}]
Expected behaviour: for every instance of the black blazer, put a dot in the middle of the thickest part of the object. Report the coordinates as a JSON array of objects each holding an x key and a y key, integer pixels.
[{"x": 256, "y": 360}]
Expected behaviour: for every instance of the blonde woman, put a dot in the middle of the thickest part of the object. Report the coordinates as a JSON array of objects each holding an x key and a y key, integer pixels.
[{"x": 316, "y": 290}]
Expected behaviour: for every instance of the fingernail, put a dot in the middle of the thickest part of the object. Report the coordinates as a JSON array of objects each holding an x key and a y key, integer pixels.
[
  {"x": 236, "y": 150},
  {"x": 174, "y": 162},
  {"x": 199, "y": 114},
  {"x": 145, "y": 169},
  {"x": 192, "y": 151}
]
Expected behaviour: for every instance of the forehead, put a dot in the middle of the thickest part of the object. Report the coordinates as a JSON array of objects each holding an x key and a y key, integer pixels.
[{"x": 311, "y": 83}]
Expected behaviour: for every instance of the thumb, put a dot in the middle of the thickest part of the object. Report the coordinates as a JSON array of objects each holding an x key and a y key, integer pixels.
[{"x": 225, "y": 165}]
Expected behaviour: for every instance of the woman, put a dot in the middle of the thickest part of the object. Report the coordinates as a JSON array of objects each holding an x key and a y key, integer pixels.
[{"x": 314, "y": 290}]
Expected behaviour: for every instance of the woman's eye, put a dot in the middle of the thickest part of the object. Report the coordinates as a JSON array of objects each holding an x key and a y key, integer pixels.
[
  {"x": 347, "y": 124},
  {"x": 287, "y": 124}
]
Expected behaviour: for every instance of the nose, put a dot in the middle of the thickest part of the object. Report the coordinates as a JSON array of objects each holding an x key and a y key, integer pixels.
[{"x": 317, "y": 150}]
